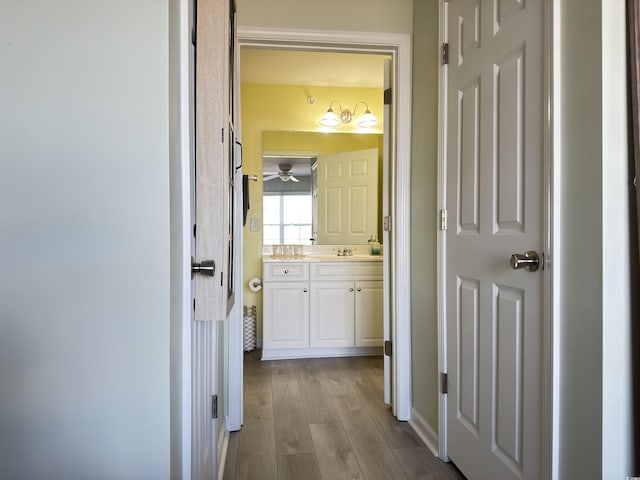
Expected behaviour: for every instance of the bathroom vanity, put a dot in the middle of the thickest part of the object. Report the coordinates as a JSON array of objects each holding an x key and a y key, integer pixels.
[{"x": 322, "y": 306}]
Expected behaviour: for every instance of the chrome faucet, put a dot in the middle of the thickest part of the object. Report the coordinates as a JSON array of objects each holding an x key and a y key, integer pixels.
[{"x": 345, "y": 252}]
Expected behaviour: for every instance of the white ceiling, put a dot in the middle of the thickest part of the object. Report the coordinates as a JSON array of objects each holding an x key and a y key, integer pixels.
[
  {"x": 287, "y": 67},
  {"x": 299, "y": 165}
]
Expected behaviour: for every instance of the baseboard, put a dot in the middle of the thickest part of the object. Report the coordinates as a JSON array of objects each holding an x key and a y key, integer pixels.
[
  {"x": 223, "y": 446},
  {"x": 424, "y": 431},
  {"x": 291, "y": 353}
]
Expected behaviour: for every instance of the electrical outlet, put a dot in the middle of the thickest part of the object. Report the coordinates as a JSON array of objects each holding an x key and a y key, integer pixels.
[{"x": 254, "y": 224}]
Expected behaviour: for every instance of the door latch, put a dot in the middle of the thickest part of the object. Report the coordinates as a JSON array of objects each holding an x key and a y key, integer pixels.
[{"x": 206, "y": 267}]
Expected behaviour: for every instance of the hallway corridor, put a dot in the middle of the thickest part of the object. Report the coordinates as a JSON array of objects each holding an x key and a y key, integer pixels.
[{"x": 315, "y": 419}]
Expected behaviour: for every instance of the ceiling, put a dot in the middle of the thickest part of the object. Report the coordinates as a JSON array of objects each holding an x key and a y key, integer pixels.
[
  {"x": 330, "y": 69},
  {"x": 299, "y": 165}
]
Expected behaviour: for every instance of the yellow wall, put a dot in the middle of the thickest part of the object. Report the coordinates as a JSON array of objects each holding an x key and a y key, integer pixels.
[{"x": 285, "y": 109}]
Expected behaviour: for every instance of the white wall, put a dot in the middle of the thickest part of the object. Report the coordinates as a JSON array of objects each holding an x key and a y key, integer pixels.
[
  {"x": 84, "y": 239},
  {"x": 424, "y": 177},
  {"x": 580, "y": 255},
  {"x": 393, "y": 16},
  {"x": 617, "y": 409}
]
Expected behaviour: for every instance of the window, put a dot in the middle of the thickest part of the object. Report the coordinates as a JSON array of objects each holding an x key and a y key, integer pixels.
[{"x": 286, "y": 219}]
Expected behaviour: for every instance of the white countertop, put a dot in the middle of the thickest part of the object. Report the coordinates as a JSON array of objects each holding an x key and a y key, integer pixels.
[{"x": 323, "y": 258}]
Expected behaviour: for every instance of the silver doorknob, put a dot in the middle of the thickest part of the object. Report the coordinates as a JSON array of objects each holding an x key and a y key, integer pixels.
[
  {"x": 206, "y": 267},
  {"x": 529, "y": 260}
]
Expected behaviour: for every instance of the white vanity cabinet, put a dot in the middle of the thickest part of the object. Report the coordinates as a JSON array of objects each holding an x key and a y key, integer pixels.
[
  {"x": 286, "y": 306},
  {"x": 322, "y": 308}
]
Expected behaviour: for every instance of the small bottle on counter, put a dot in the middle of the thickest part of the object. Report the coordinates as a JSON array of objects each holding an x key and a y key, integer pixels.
[{"x": 375, "y": 245}]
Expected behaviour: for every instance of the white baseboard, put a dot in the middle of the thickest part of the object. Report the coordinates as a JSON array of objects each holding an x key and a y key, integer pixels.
[
  {"x": 424, "y": 431},
  {"x": 223, "y": 445},
  {"x": 289, "y": 353}
]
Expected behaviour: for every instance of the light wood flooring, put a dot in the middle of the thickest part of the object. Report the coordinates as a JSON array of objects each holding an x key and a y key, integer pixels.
[{"x": 324, "y": 419}]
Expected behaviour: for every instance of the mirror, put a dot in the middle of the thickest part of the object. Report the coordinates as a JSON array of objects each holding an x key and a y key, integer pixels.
[{"x": 318, "y": 187}]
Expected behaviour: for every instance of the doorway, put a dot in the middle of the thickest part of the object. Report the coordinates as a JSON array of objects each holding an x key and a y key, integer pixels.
[{"x": 396, "y": 46}]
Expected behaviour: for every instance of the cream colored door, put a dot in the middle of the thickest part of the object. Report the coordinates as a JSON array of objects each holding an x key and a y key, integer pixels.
[
  {"x": 348, "y": 187},
  {"x": 495, "y": 207}
]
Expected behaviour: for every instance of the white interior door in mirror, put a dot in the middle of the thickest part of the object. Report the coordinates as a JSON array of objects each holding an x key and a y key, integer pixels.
[{"x": 348, "y": 197}]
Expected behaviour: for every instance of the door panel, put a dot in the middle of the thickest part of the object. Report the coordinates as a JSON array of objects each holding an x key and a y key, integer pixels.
[
  {"x": 508, "y": 343},
  {"x": 469, "y": 157},
  {"x": 468, "y": 351},
  {"x": 348, "y": 187},
  {"x": 369, "y": 314},
  {"x": 495, "y": 205},
  {"x": 286, "y": 310},
  {"x": 332, "y": 314}
]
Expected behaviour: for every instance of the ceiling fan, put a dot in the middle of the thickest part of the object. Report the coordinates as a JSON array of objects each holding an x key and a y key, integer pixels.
[{"x": 283, "y": 174}]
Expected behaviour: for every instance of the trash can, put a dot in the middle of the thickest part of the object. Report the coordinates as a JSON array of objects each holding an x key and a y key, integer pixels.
[{"x": 249, "y": 328}]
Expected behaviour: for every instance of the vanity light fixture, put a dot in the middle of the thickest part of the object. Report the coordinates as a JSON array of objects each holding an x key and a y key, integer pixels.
[{"x": 330, "y": 119}]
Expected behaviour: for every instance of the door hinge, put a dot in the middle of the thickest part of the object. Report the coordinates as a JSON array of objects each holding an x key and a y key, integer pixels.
[
  {"x": 214, "y": 406},
  {"x": 222, "y": 137},
  {"x": 194, "y": 230},
  {"x": 193, "y": 37},
  {"x": 386, "y": 223},
  {"x": 445, "y": 54},
  {"x": 388, "y": 350},
  {"x": 444, "y": 219},
  {"x": 387, "y": 96},
  {"x": 444, "y": 383}
]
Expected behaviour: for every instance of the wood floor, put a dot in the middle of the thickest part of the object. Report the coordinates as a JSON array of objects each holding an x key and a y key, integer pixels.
[{"x": 324, "y": 419}]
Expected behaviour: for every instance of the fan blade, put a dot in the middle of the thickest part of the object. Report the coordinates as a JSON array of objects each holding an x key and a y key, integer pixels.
[
  {"x": 270, "y": 177},
  {"x": 294, "y": 178}
]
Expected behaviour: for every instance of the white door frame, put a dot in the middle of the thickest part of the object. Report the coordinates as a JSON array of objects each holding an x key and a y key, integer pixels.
[
  {"x": 399, "y": 47},
  {"x": 551, "y": 238}
]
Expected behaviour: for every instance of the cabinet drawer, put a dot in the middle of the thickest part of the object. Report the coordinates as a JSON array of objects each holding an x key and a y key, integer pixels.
[
  {"x": 346, "y": 271},
  {"x": 285, "y": 272}
]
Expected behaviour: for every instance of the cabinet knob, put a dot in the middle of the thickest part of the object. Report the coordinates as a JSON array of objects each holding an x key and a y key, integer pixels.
[
  {"x": 351, "y": 289},
  {"x": 286, "y": 272},
  {"x": 359, "y": 289},
  {"x": 305, "y": 290}
]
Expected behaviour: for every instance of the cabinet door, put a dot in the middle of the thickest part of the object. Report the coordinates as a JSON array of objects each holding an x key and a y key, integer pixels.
[
  {"x": 369, "y": 314},
  {"x": 286, "y": 315},
  {"x": 332, "y": 320}
]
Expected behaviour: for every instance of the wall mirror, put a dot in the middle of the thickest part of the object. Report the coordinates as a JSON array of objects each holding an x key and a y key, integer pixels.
[{"x": 321, "y": 188}]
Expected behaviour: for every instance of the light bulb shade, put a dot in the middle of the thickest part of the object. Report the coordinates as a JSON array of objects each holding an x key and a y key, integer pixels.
[
  {"x": 330, "y": 119},
  {"x": 367, "y": 120}
]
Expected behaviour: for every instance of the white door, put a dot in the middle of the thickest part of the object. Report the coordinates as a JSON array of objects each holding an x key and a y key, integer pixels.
[
  {"x": 348, "y": 187},
  {"x": 389, "y": 280},
  {"x": 212, "y": 228},
  {"x": 203, "y": 342},
  {"x": 495, "y": 208}
]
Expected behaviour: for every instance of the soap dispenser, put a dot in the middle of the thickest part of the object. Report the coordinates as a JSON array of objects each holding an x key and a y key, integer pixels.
[{"x": 375, "y": 245}]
